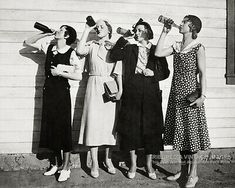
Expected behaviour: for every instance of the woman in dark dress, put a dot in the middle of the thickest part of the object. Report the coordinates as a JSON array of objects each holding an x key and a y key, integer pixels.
[
  {"x": 140, "y": 120},
  {"x": 56, "y": 133}
]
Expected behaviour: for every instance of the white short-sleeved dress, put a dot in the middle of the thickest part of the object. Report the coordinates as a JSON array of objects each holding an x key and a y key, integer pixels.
[
  {"x": 185, "y": 126},
  {"x": 98, "y": 118}
]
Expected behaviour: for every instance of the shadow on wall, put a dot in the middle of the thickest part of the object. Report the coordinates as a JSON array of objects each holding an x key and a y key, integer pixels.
[{"x": 39, "y": 59}]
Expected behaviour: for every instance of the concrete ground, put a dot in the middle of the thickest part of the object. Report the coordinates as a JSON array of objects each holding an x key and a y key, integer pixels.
[{"x": 211, "y": 175}]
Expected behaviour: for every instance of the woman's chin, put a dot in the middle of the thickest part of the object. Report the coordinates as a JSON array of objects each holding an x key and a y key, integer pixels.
[{"x": 101, "y": 36}]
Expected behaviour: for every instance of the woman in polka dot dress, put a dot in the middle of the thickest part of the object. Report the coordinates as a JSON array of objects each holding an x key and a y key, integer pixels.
[{"x": 185, "y": 125}]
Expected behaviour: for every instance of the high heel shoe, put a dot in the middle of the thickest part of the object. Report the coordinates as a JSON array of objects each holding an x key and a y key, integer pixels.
[
  {"x": 174, "y": 177},
  {"x": 191, "y": 181},
  {"x": 109, "y": 169},
  {"x": 131, "y": 175},
  {"x": 52, "y": 171},
  {"x": 64, "y": 175},
  {"x": 152, "y": 175},
  {"x": 95, "y": 173}
]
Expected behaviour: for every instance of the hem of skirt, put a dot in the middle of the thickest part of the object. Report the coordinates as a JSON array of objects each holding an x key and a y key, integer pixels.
[
  {"x": 94, "y": 145},
  {"x": 196, "y": 150},
  {"x": 56, "y": 149}
]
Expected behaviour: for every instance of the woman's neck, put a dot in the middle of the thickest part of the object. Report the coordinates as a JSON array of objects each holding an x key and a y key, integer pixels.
[
  {"x": 187, "y": 38},
  {"x": 61, "y": 44},
  {"x": 144, "y": 42},
  {"x": 103, "y": 39}
]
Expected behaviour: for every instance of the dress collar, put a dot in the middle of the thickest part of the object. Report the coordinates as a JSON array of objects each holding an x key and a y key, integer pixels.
[
  {"x": 148, "y": 46},
  {"x": 61, "y": 51},
  {"x": 191, "y": 45},
  {"x": 107, "y": 44}
]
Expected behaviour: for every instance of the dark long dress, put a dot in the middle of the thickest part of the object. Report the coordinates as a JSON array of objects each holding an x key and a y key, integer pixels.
[
  {"x": 140, "y": 122},
  {"x": 56, "y": 111},
  {"x": 185, "y": 127}
]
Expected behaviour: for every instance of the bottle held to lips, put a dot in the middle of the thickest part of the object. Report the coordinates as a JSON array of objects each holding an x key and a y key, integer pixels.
[
  {"x": 42, "y": 28},
  {"x": 90, "y": 21},
  {"x": 126, "y": 32},
  {"x": 164, "y": 20}
]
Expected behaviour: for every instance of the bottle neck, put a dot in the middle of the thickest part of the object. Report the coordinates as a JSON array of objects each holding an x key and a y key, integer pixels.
[{"x": 163, "y": 20}]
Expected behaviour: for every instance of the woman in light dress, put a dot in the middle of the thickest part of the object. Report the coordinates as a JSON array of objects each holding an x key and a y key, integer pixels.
[{"x": 98, "y": 118}]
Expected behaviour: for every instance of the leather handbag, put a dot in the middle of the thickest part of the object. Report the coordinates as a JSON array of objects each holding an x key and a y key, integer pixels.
[
  {"x": 194, "y": 95},
  {"x": 110, "y": 88}
]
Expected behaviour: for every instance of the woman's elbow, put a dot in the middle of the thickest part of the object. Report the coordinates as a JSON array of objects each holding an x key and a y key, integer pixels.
[
  {"x": 112, "y": 57},
  {"x": 115, "y": 56},
  {"x": 79, "y": 52},
  {"x": 158, "y": 54}
]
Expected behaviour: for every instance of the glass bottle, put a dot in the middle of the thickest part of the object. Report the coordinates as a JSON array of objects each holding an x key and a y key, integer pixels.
[
  {"x": 42, "y": 28},
  {"x": 164, "y": 19}
]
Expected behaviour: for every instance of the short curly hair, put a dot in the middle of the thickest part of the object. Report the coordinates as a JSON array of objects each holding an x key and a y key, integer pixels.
[
  {"x": 146, "y": 26},
  {"x": 195, "y": 25}
]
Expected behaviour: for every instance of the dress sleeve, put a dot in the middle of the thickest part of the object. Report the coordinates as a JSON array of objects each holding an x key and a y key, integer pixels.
[
  {"x": 117, "y": 52},
  {"x": 198, "y": 46},
  {"x": 118, "y": 68},
  {"x": 76, "y": 61},
  {"x": 44, "y": 43},
  {"x": 87, "y": 48}
]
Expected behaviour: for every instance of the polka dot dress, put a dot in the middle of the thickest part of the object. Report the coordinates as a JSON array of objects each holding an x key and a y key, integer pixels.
[{"x": 185, "y": 126}]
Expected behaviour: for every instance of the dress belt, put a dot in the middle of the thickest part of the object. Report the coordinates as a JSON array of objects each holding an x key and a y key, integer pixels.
[{"x": 101, "y": 75}]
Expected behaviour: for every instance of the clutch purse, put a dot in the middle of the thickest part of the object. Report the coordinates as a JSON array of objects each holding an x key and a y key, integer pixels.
[
  {"x": 66, "y": 68},
  {"x": 110, "y": 89},
  {"x": 193, "y": 96}
]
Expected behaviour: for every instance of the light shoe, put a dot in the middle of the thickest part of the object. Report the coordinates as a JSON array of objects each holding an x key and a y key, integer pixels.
[
  {"x": 111, "y": 169},
  {"x": 64, "y": 175},
  {"x": 152, "y": 175},
  {"x": 174, "y": 177},
  {"x": 191, "y": 181},
  {"x": 52, "y": 171},
  {"x": 131, "y": 175},
  {"x": 95, "y": 173}
]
